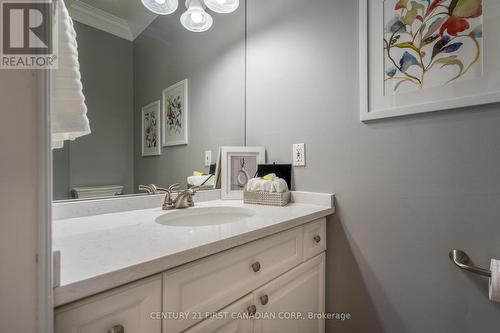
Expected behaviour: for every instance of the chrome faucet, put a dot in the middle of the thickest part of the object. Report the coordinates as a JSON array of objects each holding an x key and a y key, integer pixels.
[
  {"x": 152, "y": 189},
  {"x": 184, "y": 198}
]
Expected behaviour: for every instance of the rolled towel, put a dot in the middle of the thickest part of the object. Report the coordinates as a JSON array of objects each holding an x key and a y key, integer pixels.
[
  {"x": 249, "y": 185},
  {"x": 255, "y": 185},
  {"x": 206, "y": 180},
  {"x": 495, "y": 281},
  {"x": 280, "y": 185},
  {"x": 267, "y": 186},
  {"x": 274, "y": 185}
]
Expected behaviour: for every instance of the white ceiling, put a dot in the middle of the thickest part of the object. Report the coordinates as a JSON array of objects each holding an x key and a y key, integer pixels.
[{"x": 123, "y": 18}]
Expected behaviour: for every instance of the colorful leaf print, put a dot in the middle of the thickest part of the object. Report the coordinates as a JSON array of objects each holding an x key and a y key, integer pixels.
[
  {"x": 430, "y": 35},
  {"x": 407, "y": 61},
  {"x": 466, "y": 8}
]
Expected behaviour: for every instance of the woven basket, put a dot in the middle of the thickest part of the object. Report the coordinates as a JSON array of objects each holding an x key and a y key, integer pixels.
[{"x": 266, "y": 198}]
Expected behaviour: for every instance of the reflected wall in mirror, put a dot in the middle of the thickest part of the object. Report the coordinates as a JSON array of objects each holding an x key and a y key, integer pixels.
[{"x": 122, "y": 72}]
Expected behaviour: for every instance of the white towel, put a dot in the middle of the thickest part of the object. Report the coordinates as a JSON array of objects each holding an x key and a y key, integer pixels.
[
  {"x": 69, "y": 112},
  {"x": 254, "y": 184},
  {"x": 278, "y": 185},
  {"x": 199, "y": 180},
  {"x": 495, "y": 281}
]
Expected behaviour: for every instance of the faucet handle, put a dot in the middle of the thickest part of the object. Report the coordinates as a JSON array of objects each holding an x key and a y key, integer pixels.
[
  {"x": 174, "y": 187},
  {"x": 152, "y": 189},
  {"x": 192, "y": 193},
  {"x": 145, "y": 188}
]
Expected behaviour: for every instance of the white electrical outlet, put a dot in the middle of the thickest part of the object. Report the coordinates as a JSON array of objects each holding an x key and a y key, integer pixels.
[
  {"x": 208, "y": 158},
  {"x": 299, "y": 155}
]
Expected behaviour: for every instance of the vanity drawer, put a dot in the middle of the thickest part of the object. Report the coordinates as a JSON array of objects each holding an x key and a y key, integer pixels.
[
  {"x": 210, "y": 284},
  {"x": 314, "y": 238},
  {"x": 128, "y": 307},
  {"x": 232, "y": 319}
]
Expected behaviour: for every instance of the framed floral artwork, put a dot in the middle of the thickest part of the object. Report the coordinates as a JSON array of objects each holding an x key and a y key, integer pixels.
[
  {"x": 175, "y": 114},
  {"x": 151, "y": 145},
  {"x": 427, "y": 55}
]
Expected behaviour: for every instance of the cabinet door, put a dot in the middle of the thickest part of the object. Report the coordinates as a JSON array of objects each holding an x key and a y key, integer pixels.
[
  {"x": 210, "y": 284},
  {"x": 127, "y": 309},
  {"x": 291, "y": 298},
  {"x": 233, "y": 319}
]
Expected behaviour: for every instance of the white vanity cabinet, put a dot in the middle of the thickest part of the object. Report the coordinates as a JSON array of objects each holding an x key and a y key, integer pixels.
[
  {"x": 210, "y": 284},
  {"x": 281, "y": 306},
  {"x": 314, "y": 238},
  {"x": 282, "y": 275},
  {"x": 123, "y": 310},
  {"x": 233, "y": 319},
  {"x": 292, "y": 298}
]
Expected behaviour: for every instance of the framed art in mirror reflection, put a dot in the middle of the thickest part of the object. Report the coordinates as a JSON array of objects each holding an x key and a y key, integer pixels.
[
  {"x": 175, "y": 114},
  {"x": 151, "y": 130}
]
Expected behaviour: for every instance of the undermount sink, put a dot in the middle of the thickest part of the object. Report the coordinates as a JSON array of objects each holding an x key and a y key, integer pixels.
[{"x": 205, "y": 216}]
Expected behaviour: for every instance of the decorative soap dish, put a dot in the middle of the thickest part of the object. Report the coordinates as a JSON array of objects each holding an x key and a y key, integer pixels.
[{"x": 267, "y": 198}]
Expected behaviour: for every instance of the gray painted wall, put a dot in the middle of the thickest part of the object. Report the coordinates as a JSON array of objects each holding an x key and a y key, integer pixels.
[
  {"x": 61, "y": 173},
  {"x": 106, "y": 156},
  {"x": 408, "y": 190},
  {"x": 214, "y": 62}
]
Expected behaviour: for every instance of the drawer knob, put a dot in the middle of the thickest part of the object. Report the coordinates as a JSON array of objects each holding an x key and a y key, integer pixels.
[
  {"x": 117, "y": 329},
  {"x": 252, "y": 310},
  {"x": 317, "y": 239},
  {"x": 256, "y": 266},
  {"x": 264, "y": 299}
]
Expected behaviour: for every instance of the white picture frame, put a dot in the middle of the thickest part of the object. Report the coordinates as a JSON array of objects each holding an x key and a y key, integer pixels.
[
  {"x": 476, "y": 91},
  {"x": 151, "y": 135},
  {"x": 233, "y": 172},
  {"x": 175, "y": 120}
]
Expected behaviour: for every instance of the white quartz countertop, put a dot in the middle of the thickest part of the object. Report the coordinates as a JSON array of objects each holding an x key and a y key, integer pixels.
[{"x": 105, "y": 251}]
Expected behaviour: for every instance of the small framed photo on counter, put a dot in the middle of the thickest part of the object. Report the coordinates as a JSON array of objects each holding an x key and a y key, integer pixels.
[{"x": 239, "y": 165}]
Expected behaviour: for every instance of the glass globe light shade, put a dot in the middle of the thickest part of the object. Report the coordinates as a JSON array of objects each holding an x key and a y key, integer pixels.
[
  {"x": 196, "y": 19},
  {"x": 161, "y": 7},
  {"x": 223, "y": 6}
]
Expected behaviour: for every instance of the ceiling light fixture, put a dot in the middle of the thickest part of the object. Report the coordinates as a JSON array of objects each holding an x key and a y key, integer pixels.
[
  {"x": 196, "y": 18},
  {"x": 161, "y": 7}
]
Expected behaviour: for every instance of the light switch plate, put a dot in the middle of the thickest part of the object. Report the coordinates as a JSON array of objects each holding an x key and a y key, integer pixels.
[
  {"x": 208, "y": 158},
  {"x": 299, "y": 155}
]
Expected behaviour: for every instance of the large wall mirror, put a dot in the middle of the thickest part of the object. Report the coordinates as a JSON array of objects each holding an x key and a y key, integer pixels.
[{"x": 130, "y": 59}]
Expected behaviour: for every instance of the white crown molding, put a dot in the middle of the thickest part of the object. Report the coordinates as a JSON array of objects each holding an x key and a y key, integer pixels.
[{"x": 99, "y": 19}]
